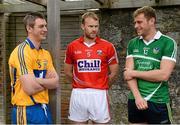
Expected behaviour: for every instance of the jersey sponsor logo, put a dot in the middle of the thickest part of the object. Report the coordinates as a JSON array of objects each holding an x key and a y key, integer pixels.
[
  {"x": 89, "y": 65},
  {"x": 156, "y": 50},
  {"x": 144, "y": 65},
  {"x": 40, "y": 73}
]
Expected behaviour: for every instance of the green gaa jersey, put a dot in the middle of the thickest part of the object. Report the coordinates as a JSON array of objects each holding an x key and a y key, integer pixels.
[{"x": 147, "y": 56}]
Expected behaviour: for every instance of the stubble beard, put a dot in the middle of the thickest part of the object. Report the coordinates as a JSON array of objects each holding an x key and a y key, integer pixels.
[{"x": 91, "y": 36}]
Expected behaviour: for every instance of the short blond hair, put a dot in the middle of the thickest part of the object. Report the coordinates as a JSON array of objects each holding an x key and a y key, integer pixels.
[
  {"x": 148, "y": 12},
  {"x": 89, "y": 14}
]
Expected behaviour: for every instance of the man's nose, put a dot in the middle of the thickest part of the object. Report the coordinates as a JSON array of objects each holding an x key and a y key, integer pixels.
[
  {"x": 135, "y": 25},
  {"x": 45, "y": 28}
]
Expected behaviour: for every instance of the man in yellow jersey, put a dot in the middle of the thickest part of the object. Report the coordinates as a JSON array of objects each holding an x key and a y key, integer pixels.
[{"x": 32, "y": 74}]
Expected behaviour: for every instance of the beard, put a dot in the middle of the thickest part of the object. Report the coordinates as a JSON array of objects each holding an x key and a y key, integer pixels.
[{"x": 90, "y": 35}]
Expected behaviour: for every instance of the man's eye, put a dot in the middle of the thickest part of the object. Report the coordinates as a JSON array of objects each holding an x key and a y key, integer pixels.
[{"x": 42, "y": 26}]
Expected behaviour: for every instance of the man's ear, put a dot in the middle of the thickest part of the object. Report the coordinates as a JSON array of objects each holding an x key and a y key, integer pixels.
[
  {"x": 28, "y": 28},
  {"x": 82, "y": 26},
  {"x": 152, "y": 20}
]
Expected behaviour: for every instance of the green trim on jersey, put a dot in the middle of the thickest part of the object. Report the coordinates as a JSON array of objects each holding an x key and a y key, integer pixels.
[{"x": 148, "y": 57}]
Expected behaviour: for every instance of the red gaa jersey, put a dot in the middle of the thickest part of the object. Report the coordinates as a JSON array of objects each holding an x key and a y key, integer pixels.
[{"x": 90, "y": 63}]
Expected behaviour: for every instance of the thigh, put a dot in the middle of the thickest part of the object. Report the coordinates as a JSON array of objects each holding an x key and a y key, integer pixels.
[
  {"x": 19, "y": 115},
  {"x": 159, "y": 113},
  {"x": 38, "y": 114},
  {"x": 78, "y": 106},
  {"x": 13, "y": 115},
  {"x": 31, "y": 115},
  {"x": 134, "y": 114},
  {"x": 99, "y": 108}
]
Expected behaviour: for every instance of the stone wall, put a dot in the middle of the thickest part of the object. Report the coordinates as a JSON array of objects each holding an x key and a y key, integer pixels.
[
  {"x": 1, "y": 61},
  {"x": 2, "y": 67},
  {"x": 117, "y": 27}
]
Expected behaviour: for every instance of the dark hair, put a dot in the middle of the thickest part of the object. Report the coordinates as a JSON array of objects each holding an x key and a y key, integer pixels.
[
  {"x": 29, "y": 19},
  {"x": 148, "y": 12},
  {"x": 89, "y": 14}
]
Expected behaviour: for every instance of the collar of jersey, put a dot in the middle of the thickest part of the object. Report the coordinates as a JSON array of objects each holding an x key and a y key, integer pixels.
[
  {"x": 81, "y": 39},
  {"x": 156, "y": 37},
  {"x": 30, "y": 43}
]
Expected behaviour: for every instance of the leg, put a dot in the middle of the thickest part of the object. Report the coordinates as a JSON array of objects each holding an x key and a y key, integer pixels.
[
  {"x": 159, "y": 113},
  {"x": 136, "y": 116},
  {"x": 78, "y": 112},
  {"x": 99, "y": 109}
]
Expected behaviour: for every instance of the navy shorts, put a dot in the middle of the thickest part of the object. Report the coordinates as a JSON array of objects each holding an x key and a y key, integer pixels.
[
  {"x": 155, "y": 114},
  {"x": 36, "y": 114}
]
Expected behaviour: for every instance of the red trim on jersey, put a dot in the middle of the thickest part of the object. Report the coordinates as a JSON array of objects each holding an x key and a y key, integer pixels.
[
  {"x": 90, "y": 64},
  {"x": 107, "y": 97}
]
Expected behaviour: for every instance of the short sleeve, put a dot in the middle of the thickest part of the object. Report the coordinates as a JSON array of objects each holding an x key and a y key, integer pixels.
[
  {"x": 129, "y": 51},
  {"x": 24, "y": 61},
  {"x": 69, "y": 55},
  {"x": 50, "y": 65},
  {"x": 112, "y": 56},
  {"x": 170, "y": 50}
]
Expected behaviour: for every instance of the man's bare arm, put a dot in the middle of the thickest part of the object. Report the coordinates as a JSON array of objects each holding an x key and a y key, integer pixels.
[
  {"x": 51, "y": 81},
  {"x": 30, "y": 84},
  {"x": 132, "y": 83},
  {"x": 114, "y": 69},
  {"x": 157, "y": 75},
  {"x": 68, "y": 70}
]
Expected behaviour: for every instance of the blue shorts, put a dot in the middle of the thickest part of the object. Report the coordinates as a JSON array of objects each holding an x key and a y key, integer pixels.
[
  {"x": 155, "y": 114},
  {"x": 36, "y": 114}
]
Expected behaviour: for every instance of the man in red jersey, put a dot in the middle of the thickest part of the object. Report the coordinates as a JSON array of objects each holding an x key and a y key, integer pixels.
[{"x": 91, "y": 64}]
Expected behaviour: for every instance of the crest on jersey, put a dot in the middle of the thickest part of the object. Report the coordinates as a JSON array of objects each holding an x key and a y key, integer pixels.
[
  {"x": 99, "y": 52},
  {"x": 45, "y": 62},
  {"x": 156, "y": 50}
]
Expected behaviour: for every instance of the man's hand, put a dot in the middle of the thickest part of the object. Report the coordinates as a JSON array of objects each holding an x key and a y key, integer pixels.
[
  {"x": 128, "y": 74},
  {"x": 141, "y": 103},
  {"x": 110, "y": 81}
]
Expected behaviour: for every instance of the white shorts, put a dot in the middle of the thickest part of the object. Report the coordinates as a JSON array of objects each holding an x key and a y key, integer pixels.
[{"x": 89, "y": 104}]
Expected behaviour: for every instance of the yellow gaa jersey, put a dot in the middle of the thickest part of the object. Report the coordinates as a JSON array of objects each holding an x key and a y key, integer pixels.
[{"x": 26, "y": 59}]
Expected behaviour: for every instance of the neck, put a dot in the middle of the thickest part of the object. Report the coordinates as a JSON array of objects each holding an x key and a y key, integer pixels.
[
  {"x": 35, "y": 42},
  {"x": 151, "y": 35},
  {"x": 88, "y": 40}
]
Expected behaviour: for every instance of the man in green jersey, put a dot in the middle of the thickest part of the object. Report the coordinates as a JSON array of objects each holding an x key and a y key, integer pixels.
[{"x": 150, "y": 61}]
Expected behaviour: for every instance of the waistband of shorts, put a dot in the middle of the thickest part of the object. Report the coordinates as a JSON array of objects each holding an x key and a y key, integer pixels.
[
  {"x": 88, "y": 90},
  {"x": 37, "y": 104}
]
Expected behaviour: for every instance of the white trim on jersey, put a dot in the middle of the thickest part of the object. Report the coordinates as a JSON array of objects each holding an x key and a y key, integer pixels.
[
  {"x": 169, "y": 58},
  {"x": 145, "y": 57},
  {"x": 150, "y": 95},
  {"x": 110, "y": 60},
  {"x": 157, "y": 36},
  {"x": 129, "y": 56}
]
